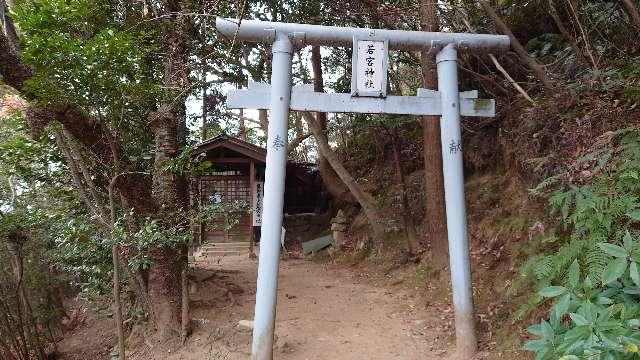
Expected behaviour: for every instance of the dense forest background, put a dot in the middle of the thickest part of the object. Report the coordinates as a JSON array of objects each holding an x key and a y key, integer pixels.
[{"x": 98, "y": 121}]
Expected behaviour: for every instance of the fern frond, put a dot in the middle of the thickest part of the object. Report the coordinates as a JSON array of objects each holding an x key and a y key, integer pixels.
[
  {"x": 543, "y": 267},
  {"x": 595, "y": 260}
]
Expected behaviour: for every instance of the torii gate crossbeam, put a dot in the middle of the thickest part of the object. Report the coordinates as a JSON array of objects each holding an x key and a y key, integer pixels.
[{"x": 445, "y": 102}]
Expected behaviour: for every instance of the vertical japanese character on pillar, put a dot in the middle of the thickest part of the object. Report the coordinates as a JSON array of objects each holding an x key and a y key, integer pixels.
[
  {"x": 277, "y": 143},
  {"x": 369, "y": 66},
  {"x": 455, "y": 147}
]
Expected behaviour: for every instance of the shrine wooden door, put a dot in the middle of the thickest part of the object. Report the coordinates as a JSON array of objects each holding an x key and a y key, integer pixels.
[{"x": 226, "y": 189}]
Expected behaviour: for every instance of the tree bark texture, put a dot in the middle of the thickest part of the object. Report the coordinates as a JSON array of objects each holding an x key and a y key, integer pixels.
[
  {"x": 14, "y": 71},
  {"x": 435, "y": 211},
  {"x": 7, "y": 26},
  {"x": 531, "y": 63},
  {"x": 169, "y": 189}
]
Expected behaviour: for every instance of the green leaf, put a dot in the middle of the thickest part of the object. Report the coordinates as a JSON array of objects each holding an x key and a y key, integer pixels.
[
  {"x": 547, "y": 330},
  {"x": 574, "y": 273},
  {"x": 614, "y": 270},
  {"x": 603, "y": 161},
  {"x": 634, "y": 215},
  {"x": 552, "y": 291},
  {"x": 577, "y": 333},
  {"x": 614, "y": 250},
  {"x": 562, "y": 306},
  {"x": 603, "y": 300},
  {"x": 633, "y": 271},
  {"x": 588, "y": 283},
  {"x": 569, "y": 357},
  {"x": 634, "y": 323},
  {"x": 590, "y": 156},
  {"x": 535, "y": 329},
  {"x": 628, "y": 241},
  {"x": 579, "y": 319},
  {"x": 535, "y": 345}
]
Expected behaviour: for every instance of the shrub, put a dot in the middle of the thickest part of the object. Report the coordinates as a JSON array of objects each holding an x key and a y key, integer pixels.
[{"x": 594, "y": 276}]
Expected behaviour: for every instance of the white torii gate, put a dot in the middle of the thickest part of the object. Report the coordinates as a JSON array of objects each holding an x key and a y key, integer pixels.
[{"x": 368, "y": 95}]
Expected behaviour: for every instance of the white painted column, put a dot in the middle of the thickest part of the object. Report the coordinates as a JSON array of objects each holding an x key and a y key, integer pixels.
[
  {"x": 452, "y": 168},
  {"x": 269, "y": 259}
]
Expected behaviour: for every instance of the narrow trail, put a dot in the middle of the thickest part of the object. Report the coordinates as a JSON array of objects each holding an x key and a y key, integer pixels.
[
  {"x": 328, "y": 314},
  {"x": 324, "y": 312}
]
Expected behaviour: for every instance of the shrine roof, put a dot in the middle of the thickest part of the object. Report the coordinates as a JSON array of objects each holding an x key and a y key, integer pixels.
[{"x": 235, "y": 144}]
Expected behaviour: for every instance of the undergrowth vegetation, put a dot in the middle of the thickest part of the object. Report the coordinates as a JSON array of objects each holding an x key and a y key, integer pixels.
[{"x": 592, "y": 275}]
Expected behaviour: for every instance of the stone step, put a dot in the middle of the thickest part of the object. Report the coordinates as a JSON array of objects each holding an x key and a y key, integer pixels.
[
  {"x": 243, "y": 248},
  {"x": 224, "y": 253},
  {"x": 230, "y": 243},
  {"x": 226, "y": 247}
]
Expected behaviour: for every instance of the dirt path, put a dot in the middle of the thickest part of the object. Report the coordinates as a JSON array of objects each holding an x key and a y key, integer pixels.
[
  {"x": 329, "y": 314},
  {"x": 324, "y": 312}
]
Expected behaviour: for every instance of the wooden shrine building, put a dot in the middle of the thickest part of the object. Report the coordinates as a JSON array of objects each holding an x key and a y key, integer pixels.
[{"x": 237, "y": 175}]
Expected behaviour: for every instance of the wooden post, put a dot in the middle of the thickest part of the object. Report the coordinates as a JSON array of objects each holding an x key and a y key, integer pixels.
[
  {"x": 252, "y": 185},
  {"x": 225, "y": 199},
  {"x": 202, "y": 224}
]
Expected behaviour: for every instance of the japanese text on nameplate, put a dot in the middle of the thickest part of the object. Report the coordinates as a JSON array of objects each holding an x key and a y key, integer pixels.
[{"x": 370, "y": 67}]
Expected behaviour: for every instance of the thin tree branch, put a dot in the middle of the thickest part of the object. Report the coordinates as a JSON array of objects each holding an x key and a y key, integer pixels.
[
  {"x": 584, "y": 35},
  {"x": 75, "y": 175},
  {"x": 80, "y": 161},
  {"x": 510, "y": 79}
]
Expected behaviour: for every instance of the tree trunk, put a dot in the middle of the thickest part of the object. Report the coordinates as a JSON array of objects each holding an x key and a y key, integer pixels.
[
  {"x": 263, "y": 120},
  {"x": 29, "y": 327},
  {"x": 97, "y": 209},
  {"x": 7, "y": 26},
  {"x": 364, "y": 199},
  {"x": 407, "y": 221},
  {"x": 585, "y": 37},
  {"x": 632, "y": 9},
  {"x": 115, "y": 260},
  {"x": 14, "y": 72},
  {"x": 203, "y": 129},
  {"x": 533, "y": 65},
  {"x": 331, "y": 180},
  {"x": 169, "y": 189},
  {"x": 186, "y": 319},
  {"x": 166, "y": 263},
  {"x": 242, "y": 133},
  {"x": 435, "y": 211},
  {"x": 165, "y": 290},
  {"x": 565, "y": 33}
]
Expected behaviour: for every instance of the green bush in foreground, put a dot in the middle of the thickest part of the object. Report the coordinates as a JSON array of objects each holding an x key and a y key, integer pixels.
[{"x": 594, "y": 277}]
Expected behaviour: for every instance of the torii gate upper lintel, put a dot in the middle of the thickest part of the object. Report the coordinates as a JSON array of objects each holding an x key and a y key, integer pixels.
[{"x": 368, "y": 96}]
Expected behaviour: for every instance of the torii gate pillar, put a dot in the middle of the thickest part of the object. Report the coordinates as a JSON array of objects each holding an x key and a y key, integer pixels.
[
  {"x": 276, "y": 163},
  {"x": 452, "y": 169}
]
